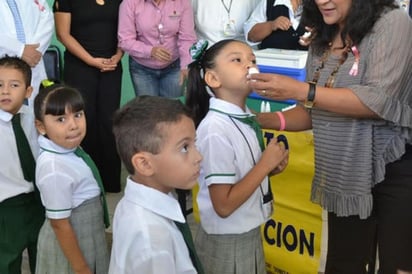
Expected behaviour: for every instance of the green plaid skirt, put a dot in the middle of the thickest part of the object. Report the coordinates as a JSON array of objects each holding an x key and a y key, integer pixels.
[{"x": 87, "y": 223}]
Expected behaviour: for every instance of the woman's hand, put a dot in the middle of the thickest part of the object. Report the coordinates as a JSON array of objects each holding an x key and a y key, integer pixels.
[
  {"x": 110, "y": 64},
  {"x": 31, "y": 55},
  {"x": 104, "y": 64},
  {"x": 307, "y": 37},
  {"x": 115, "y": 59},
  {"x": 278, "y": 87},
  {"x": 161, "y": 54}
]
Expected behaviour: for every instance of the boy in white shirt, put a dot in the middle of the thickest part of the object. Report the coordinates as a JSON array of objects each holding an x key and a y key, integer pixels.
[
  {"x": 21, "y": 211},
  {"x": 155, "y": 139}
]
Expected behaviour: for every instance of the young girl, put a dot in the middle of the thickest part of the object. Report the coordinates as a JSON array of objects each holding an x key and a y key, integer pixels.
[
  {"x": 234, "y": 197},
  {"x": 72, "y": 239}
]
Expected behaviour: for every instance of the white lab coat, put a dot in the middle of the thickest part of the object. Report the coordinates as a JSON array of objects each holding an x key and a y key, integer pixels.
[{"x": 38, "y": 28}]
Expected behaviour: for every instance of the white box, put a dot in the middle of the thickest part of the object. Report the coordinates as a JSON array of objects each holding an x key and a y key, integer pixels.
[{"x": 295, "y": 59}]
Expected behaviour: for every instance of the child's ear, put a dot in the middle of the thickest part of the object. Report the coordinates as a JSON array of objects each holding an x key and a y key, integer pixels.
[
  {"x": 29, "y": 91},
  {"x": 142, "y": 164},
  {"x": 212, "y": 79},
  {"x": 40, "y": 127}
]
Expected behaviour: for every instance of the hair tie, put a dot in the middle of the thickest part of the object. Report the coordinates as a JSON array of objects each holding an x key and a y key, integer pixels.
[
  {"x": 197, "y": 50},
  {"x": 47, "y": 83}
]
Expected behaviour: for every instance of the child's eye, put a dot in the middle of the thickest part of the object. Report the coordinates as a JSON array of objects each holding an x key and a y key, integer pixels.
[
  {"x": 14, "y": 85},
  {"x": 254, "y": 62},
  {"x": 236, "y": 60},
  {"x": 61, "y": 119},
  {"x": 78, "y": 114},
  {"x": 185, "y": 148}
]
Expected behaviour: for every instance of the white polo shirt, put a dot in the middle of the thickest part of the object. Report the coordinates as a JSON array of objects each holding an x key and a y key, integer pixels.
[
  {"x": 212, "y": 15},
  {"x": 64, "y": 179},
  {"x": 12, "y": 182},
  {"x": 224, "y": 143},
  {"x": 145, "y": 237}
]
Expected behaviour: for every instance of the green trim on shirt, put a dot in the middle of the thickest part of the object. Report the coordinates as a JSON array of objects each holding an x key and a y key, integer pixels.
[
  {"x": 58, "y": 210},
  {"x": 220, "y": 175},
  {"x": 232, "y": 114}
]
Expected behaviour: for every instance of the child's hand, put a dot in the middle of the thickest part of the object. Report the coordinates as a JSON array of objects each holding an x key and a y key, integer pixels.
[
  {"x": 281, "y": 23},
  {"x": 281, "y": 166},
  {"x": 274, "y": 155}
]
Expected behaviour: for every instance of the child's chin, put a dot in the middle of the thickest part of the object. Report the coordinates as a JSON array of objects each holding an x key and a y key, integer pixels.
[{"x": 190, "y": 185}]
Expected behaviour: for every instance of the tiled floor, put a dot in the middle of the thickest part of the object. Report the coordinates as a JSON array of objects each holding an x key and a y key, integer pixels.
[{"x": 112, "y": 199}]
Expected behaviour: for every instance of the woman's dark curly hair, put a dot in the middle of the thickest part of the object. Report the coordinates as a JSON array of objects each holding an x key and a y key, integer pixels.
[{"x": 361, "y": 17}]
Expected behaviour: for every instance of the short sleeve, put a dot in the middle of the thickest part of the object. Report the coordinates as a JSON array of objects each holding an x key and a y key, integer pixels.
[
  {"x": 62, "y": 6},
  {"x": 219, "y": 161},
  {"x": 56, "y": 190}
]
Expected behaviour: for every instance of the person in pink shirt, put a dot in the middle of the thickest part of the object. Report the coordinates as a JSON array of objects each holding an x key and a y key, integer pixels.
[{"x": 157, "y": 35}]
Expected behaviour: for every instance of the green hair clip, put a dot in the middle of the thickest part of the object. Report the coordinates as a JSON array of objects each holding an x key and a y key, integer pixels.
[
  {"x": 47, "y": 83},
  {"x": 198, "y": 49}
]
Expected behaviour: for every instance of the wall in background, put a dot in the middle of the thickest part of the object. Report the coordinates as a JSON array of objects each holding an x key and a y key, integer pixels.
[{"x": 127, "y": 88}]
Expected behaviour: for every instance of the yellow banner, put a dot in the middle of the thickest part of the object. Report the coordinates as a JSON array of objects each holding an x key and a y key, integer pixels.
[{"x": 292, "y": 237}]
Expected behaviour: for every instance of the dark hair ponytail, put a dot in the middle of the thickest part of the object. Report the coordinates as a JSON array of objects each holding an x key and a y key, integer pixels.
[{"x": 197, "y": 98}]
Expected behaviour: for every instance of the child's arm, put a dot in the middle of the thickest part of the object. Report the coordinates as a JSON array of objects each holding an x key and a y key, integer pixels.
[
  {"x": 226, "y": 198},
  {"x": 69, "y": 245}
]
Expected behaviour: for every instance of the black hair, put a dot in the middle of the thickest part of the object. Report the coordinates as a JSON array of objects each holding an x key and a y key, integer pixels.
[
  {"x": 54, "y": 100},
  {"x": 18, "y": 64},
  {"x": 360, "y": 20},
  {"x": 138, "y": 125},
  {"x": 197, "y": 97}
]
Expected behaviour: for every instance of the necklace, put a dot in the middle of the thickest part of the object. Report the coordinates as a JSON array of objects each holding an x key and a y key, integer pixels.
[{"x": 331, "y": 79}]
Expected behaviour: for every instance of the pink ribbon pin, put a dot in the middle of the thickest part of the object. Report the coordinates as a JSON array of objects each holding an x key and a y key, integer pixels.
[
  {"x": 355, "y": 67},
  {"x": 41, "y": 7}
]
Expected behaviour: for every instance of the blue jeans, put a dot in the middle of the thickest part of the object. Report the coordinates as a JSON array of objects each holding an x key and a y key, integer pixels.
[{"x": 156, "y": 82}]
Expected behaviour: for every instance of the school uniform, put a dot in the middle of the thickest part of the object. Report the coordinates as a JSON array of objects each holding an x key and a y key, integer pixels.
[
  {"x": 21, "y": 214},
  {"x": 69, "y": 190},
  {"x": 145, "y": 237},
  {"x": 230, "y": 149}
]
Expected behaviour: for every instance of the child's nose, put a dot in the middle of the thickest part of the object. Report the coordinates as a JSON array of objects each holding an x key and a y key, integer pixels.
[
  {"x": 73, "y": 124},
  {"x": 251, "y": 65},
  {"x": 199, "y": 156},
  {"x": 4, "y": 90}
]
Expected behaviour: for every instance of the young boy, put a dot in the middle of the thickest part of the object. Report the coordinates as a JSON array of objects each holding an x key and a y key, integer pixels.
[
  {"x": 155, "y": 139},
  {"x": 21, "y": 212}
]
